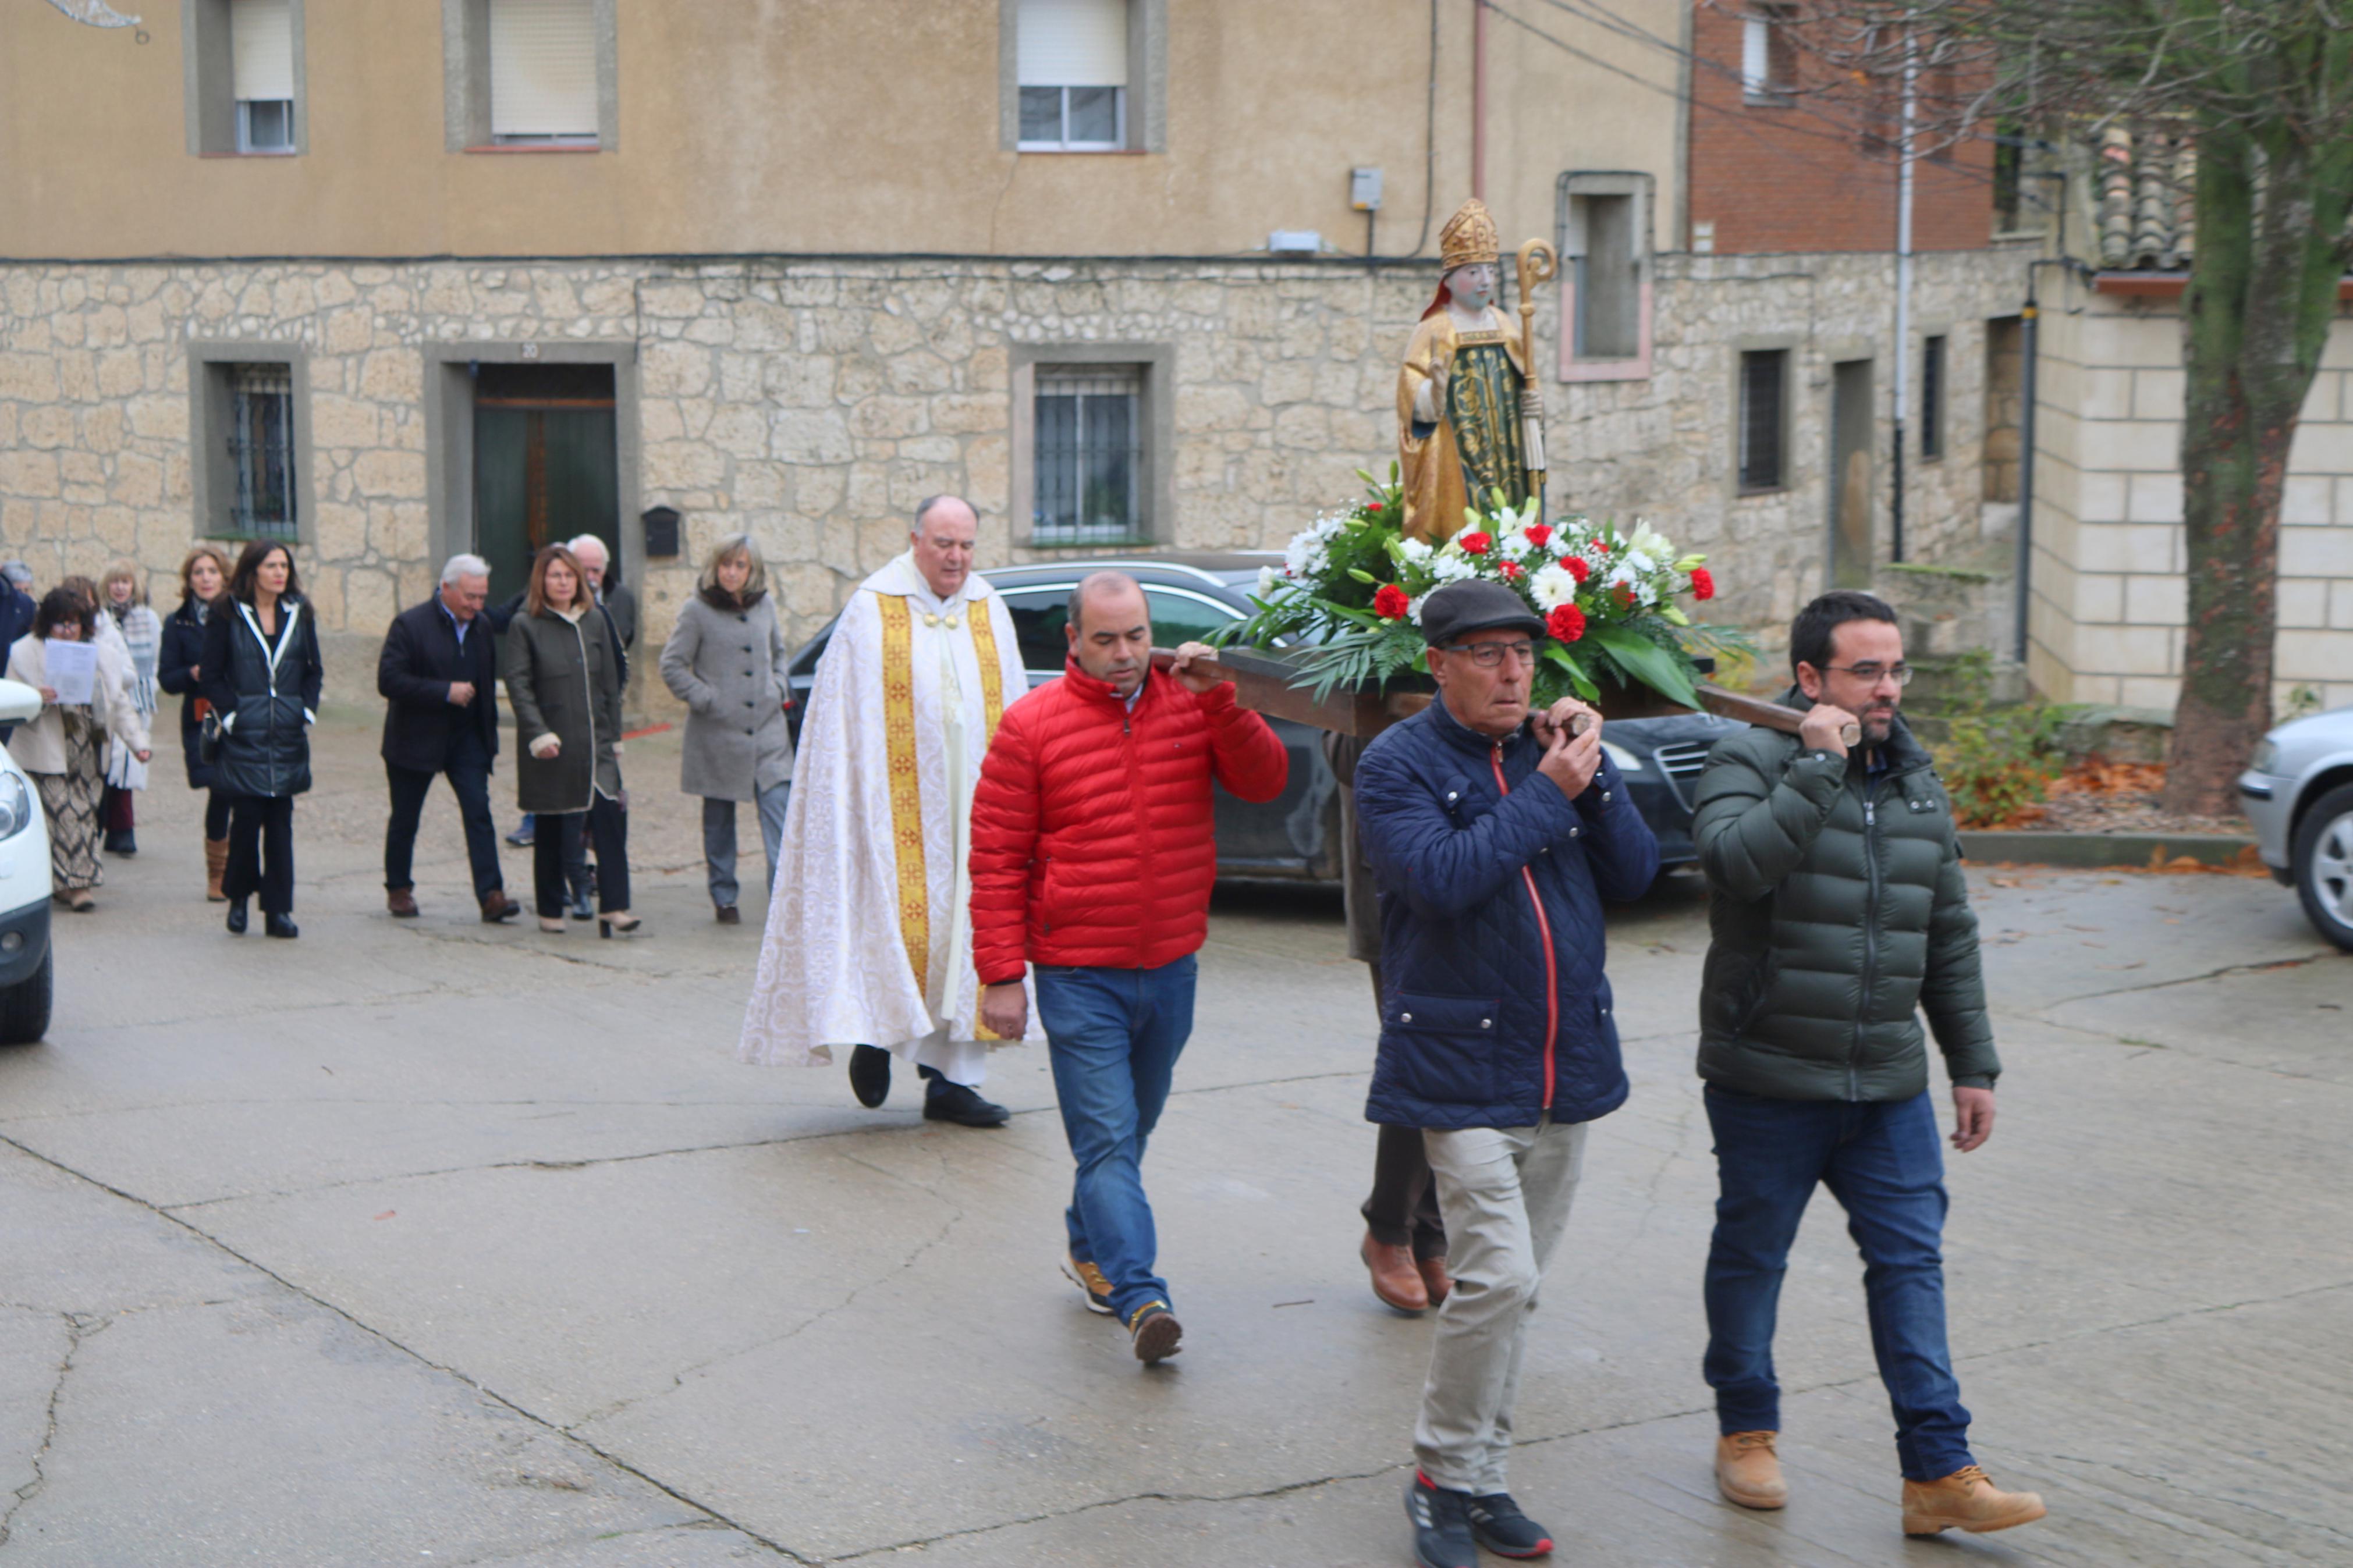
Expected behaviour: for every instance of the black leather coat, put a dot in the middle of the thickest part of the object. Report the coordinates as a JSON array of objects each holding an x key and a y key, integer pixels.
[{"x": 267, "y": 695}]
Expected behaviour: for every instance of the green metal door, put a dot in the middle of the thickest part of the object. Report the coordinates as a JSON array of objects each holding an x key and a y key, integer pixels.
[{"x": 545, "y": 465}]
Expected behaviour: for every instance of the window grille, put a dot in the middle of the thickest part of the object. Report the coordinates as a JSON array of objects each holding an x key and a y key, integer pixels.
[
  {"x": 261, "y": 451},
  {"x": 1089, "y": 461},
  {"x": 1761, "y": 429},
  {"x": 1932, "y": 398},
  {"x": 1072, "y": 61}
]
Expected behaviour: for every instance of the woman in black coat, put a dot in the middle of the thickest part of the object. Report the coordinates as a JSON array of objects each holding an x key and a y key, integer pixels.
[
  {"x": 262, "y": 676},
  {"x": 204, "y": 579}
]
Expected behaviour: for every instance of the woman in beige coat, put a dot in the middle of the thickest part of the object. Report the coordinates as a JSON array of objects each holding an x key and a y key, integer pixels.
[{"x": 64, "y": 750}]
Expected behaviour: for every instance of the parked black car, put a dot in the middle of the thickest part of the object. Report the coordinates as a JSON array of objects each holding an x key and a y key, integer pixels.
[{"x": 1296, "y": 836}]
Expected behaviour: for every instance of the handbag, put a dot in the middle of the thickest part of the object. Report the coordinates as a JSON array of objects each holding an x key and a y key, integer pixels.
[{"x": 208, "y": 737}]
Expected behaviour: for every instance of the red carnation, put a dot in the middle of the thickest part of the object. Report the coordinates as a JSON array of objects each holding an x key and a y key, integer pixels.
[
  {"x": 1372, "y": 506},
  {"x": 1579, "y": 569},
  {"x": 1626, "y": 594},
  {"x": 1513, "y": 571},
  {"x": 1392, "y": 603},
  {"x": 1567, "y": 623},
  {"x": 1702, "y": 583},
  {"x": 1476, "y": 544},
  {"x": 1538, "y": 534}
]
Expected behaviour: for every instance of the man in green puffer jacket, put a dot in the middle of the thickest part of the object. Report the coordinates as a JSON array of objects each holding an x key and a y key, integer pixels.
[{"x": 1837, "y": 913}]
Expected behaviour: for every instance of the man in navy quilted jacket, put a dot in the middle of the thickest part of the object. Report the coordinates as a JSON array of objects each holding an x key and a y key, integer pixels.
[{"x": 1494, "y": 834}]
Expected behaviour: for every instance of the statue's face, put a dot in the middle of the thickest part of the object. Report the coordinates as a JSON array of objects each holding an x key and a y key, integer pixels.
[{"x": 1474, "y": 287}]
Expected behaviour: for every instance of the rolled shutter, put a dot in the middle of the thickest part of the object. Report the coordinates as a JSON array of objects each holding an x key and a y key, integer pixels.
[
  {"x": 1073, "y": 43},
  {"x": 543, "y": 68},
  {"x": 261, "y": 50}
]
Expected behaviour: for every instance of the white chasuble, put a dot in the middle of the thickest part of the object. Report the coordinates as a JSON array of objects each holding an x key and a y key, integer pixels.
[{"x": 870, "y": 929}]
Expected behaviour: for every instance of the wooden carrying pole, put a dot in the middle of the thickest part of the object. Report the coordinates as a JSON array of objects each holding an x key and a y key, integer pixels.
[{"x": 1537, "y": 264}]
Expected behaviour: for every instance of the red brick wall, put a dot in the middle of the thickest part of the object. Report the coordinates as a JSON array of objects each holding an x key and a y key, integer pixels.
[{"x": 1798, "y": 177}]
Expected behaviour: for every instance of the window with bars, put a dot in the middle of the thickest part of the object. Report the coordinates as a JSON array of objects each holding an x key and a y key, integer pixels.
[
  {"x": 1088, "y": 466},
  {"x": 261, "y": 451},
  {"x": 1072, "y": 58},
  {"x": 1932, "y": 398},
  {"x": 1762, "y": 431}
]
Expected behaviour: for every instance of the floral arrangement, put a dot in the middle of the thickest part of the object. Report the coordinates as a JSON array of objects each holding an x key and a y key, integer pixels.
[{"x": 1351, "y": 588}]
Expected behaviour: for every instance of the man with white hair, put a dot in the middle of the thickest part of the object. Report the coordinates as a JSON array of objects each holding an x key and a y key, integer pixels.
[
  {"x": 620, "y": 605},
  {"x": 869, "y": 942},
  {"x": 438, "y": 672}
]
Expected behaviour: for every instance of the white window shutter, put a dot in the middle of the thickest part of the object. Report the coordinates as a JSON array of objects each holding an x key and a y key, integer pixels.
[
  {"x": 543, "y": 68},
  {"x": 261, "y": 49},
  {"x": 1073, "y": 43}
]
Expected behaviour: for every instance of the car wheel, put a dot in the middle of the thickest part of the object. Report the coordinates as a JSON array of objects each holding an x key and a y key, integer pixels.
[
  {"x": 24, "y": 1007},
  {"x": 2323, "y": 861}
]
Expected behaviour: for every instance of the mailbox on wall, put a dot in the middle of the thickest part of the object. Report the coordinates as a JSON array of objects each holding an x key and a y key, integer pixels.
[{"x": 661, "y": 533}]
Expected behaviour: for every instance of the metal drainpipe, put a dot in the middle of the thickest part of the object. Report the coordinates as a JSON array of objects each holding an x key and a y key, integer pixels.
[
  {"x": 1904, "y": 193},
  {"x": 1478, "y": 98},
  {"x": 2032, "y": 312}
]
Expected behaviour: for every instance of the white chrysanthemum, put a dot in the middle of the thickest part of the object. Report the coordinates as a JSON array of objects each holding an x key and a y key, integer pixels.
[
  {"x": 1451, "y": 566},
  {"x": 1413, "y": 610},
  {"x": 1416, "y": 551},
  {"x": 1515, "y": 546},
  {"x": 1553, "y": 586},
  {"x": 1638, "y": 561}
]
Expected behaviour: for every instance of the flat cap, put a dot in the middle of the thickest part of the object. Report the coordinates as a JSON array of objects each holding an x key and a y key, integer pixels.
[{"x": 1459, "y": 609}]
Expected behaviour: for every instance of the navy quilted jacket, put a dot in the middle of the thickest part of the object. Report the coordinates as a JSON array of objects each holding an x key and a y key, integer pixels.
[{"x": 1492, "y": 882}]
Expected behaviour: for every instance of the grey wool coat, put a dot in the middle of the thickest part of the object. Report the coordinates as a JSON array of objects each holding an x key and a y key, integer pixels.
[
  {"x": 728, "y": 665},
  {"x": 563, "y": 677}
]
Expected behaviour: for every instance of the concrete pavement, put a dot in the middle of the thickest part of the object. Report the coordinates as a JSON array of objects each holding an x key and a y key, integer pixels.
[{"x": 427, "y": 1242}]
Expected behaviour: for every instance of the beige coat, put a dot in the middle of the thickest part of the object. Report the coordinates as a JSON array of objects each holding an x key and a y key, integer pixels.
[{"x": 39, "y": 747}]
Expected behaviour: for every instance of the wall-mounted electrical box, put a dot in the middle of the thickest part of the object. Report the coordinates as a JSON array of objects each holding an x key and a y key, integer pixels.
[{"x": 1364, "y": 190}]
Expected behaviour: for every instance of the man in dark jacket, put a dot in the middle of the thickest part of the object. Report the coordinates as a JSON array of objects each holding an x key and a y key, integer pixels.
[
  {"x": 1494, "y": 839},
  {"x": 438, "y": 672},
  {"x": 1838, "y": 911}
]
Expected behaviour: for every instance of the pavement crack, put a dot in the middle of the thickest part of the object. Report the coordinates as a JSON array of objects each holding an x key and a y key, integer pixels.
[
  {"x": 2266, "y": 966},
  {"x": 78, "y": 1327}
]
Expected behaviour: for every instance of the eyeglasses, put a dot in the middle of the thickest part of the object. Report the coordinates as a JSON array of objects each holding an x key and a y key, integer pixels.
[
  {"x": 1490, "y": 655},
  {"x": 1872, "y": 674}
]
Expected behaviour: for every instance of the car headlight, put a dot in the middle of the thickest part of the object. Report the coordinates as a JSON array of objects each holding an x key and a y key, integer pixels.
[
  {"x": 2266, "y": 758},
  {"x": 1627, "y": 762},
  {"x": 16, "y": 805}
]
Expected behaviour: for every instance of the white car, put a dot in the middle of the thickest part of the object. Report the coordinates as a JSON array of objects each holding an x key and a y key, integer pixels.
[
  {"x": 2299, "y": 792},
  {"x": 25, "y": 961}
]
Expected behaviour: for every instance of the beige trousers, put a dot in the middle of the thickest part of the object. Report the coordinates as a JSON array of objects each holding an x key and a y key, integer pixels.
[{"x": 1505, "y": 1193}]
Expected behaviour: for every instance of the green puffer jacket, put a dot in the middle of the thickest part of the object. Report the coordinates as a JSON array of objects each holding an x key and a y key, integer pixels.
[{"x": 1837, "y": 911}]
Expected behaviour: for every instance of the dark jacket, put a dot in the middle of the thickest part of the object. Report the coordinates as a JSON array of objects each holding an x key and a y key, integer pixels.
[
  {"x": 266, "y": 704},
  {"x": 181, "y": 653},
  {"x": 622, "y": 606},
  {"x": 563, "y": 677},
  {"x": 16, "y": 612},
  {"x": 421, "y": 660},
  {"x": 1479, "y": 859},
  {"x": 1837, "y": 909}
]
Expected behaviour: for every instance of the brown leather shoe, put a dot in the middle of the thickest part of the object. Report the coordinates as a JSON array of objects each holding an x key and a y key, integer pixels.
[
  {"x": 1747, "y": 1471},
  {"x": 498, "y": 907},
  {"x": 1967, "y": 1500},
  {"x": 1435, "y": 1282},
  {"x": 1395, "y": 1280},
  {"x": 728, "y": 915},
  {"x": 401, "y": 902}
]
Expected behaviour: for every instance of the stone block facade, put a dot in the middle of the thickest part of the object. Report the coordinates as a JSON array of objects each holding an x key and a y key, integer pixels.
[
  {"x": 812, "y": 404},
  {"x": 2108, "y": 589}
]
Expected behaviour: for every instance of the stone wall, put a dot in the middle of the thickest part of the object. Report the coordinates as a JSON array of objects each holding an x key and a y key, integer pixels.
[{"x": 813, "y": 403}]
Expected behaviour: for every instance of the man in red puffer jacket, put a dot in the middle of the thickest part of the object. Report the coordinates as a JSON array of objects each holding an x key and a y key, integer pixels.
[{"x": 1093, "y": 850}]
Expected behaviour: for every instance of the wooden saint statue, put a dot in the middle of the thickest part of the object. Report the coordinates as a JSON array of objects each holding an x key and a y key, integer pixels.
[{"x": 1461, "y": 433}]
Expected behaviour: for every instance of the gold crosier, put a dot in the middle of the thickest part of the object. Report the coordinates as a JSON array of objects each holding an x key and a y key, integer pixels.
[{"x": 899, "y": 746}]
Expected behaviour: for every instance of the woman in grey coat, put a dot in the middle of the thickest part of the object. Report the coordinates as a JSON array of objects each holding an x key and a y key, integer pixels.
[
  {"x": 564, "y": 681},
  {"x": 726, "y": 661}
]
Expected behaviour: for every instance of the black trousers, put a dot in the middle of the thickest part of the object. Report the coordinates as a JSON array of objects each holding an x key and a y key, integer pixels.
[
  {"x": 261, "y": 851},
  {"x": 217, "y": 808},
  {"x": 556, "y": 845},
  {"x": 468, "y": 771},
  {"x": 1403, "y": 1208}
]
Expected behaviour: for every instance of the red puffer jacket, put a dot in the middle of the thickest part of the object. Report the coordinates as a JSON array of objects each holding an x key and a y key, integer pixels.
[{"x": 1093, "y": 837}]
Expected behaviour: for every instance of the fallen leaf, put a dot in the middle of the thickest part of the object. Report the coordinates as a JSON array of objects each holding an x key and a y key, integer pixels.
[{"x": 387, "y": 1214}]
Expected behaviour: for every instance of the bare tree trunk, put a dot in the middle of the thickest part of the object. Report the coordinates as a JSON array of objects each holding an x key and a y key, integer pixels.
[{"x": 2262, "y": 293}]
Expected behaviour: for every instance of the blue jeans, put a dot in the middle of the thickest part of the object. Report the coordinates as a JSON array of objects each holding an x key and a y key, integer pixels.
[
  {"x": 1882, "y": 1162},
  {"x": 719, "y": 839},
  {"x": 1113, "y": 1037}
]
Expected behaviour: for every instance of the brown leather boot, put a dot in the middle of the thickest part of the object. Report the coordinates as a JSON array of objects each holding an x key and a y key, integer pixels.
[
  {"x": 1747, "y": 1471},
  {"x": 401, "y": 902},
  {"x": 1395, "y": 1280},
  {"x": 215, "y": 867},
  {"x": 1967, "y": 1500},
  {"x": 1435, "y": 1282}
]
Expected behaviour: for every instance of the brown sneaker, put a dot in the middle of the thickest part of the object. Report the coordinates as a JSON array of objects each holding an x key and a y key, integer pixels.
[
  {"x": 1434, "y": 1278},
  {"x": 1155, "y": 1331},
  {"x": 1747, "y": 1471},
  {"x": 401, "y": 902},
  {"x": 1967, "y": 1500},
  {"x": 1395, "y": 1280}
]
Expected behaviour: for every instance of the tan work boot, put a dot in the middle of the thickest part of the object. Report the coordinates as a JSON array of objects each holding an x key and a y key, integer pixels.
[
  {"x": 1395, "y": 1281},
  {"x": 1967, "y": 1500},
  {"x": 1748, "y": 1472},
  {"x": 215, "y": 867}
]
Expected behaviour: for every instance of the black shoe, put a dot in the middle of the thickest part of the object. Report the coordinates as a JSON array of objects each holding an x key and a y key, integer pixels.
[
  {"x": 1155, "y": 1332},
  {"x": 278, "y": 925},
  {"x": 869, "y": 1075},
  {"x": 1497, "y": 1524},
  {"x": 237, "y": 916},
  {"x": 945, "y": 1101},
  {"x": 581, "y": 908},
  {"x": 122, "y": 844},
  {"x": 1441, "y": 1525}
]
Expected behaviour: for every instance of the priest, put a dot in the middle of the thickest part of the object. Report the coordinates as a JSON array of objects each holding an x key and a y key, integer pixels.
[{"x": 868, "y": 943}]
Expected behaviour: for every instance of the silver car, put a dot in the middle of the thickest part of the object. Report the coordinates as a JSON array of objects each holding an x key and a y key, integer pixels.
[{"x": 2299, "y": 792}]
